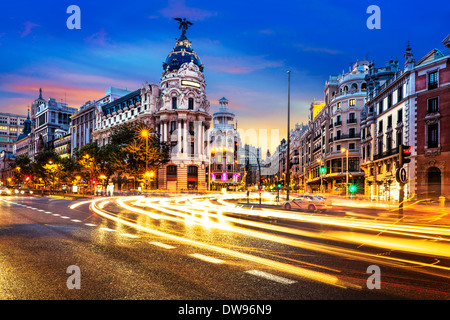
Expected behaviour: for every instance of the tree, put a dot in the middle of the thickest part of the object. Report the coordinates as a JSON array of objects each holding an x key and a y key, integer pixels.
[
  {"x": 21, "y": 167},
  {"x": 138, "y": 151}
]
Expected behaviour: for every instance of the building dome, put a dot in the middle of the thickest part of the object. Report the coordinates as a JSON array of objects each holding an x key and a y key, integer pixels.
[
  {"x": 181, "y": 54},
  {"x": 26, "y": 128}
]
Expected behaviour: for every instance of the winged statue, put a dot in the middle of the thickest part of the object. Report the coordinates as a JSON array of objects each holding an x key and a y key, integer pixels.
[{"x": 184, "y": 25}]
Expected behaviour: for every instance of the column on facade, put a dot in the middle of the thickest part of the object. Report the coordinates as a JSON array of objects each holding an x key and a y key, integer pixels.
[
  {"x": 179, "y": 145},
  {"x": 185, "y": 138},
  {"x": 200, "y": 138},
  {"x": 161, "y": 132},
  {"x": 165, "y": 124}
]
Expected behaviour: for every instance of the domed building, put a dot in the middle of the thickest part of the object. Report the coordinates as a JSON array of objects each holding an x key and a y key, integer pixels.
[{"x": 177, "y": 109}]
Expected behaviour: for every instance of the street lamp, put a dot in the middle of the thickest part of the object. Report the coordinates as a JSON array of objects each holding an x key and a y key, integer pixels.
[
  {"x": 321, "y": 172},
  {"x": 288, "y": 136},
  {"x": 346, "y": 180},
  {"x": 145, "y": 134}
]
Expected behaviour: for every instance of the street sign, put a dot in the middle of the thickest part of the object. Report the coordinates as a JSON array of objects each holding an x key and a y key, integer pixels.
[
  {"x": 401, "y": 175},
  {"x": 83, "y": 180}
]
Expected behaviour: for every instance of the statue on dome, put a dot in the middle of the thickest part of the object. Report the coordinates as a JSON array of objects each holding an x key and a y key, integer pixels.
[{"x": 184, "y": 25}]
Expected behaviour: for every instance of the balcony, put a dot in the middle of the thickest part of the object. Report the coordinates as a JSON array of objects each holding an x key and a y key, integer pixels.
[
  {"x": 347, "y": 136},
  {"x": 338, "y": 123},
  {"x": 386, "y": 154},
  {"x": 349, "y": 121}
]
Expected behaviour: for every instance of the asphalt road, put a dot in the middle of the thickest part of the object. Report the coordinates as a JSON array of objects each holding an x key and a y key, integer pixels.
[{"x": 123, "y": 254}]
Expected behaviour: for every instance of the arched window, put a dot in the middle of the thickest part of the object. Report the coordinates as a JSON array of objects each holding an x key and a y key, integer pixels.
[{"x": 191, "y": 104}]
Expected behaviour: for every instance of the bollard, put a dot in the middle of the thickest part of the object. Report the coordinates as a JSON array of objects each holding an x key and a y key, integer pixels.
[{"x": 442, "y": 201}]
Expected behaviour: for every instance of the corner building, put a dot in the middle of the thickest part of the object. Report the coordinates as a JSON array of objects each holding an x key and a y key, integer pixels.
[{"x": 177, "y": 109}]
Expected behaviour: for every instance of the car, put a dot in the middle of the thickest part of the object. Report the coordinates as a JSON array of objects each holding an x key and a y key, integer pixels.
[
  {"x": 5, "y": 191},
  {"x": 308, "y": 202},
  {"x": 23, "y": 191}
]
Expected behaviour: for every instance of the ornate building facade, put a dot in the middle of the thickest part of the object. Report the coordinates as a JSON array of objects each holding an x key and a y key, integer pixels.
[
  {"x": 177, "y": 109},
  {"x": 224, "y": 166}
]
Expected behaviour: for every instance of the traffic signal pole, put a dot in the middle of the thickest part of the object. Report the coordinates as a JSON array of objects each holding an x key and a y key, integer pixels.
[{"x": 401, "y": 176}]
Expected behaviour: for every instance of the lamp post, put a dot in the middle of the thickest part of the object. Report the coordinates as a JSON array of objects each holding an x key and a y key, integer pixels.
[
  {"x": 144, "y": 134},
  {"x": 346, "y": 174},
  {"x": 321, "y": 174},
  {"x": 288, "y": 137}
]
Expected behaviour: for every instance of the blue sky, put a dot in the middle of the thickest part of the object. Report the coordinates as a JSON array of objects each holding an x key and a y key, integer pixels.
[{"x": 245, "y": 46}]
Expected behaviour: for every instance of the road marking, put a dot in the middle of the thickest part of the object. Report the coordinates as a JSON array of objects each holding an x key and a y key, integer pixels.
[
  {"x": 162, "y": 245},
  {"x": 90, "y": 224},
  {"x": 64, "y": 217},
  {"x": 56, "y": 214},
  {"x": 270, "y": 276},
  {"x": 41, "y": 210},
  {"x": 206, "y": 258},
  {"x": 48, "y": 212},
  {"x": 107, "y": 229},
  {"x": 129, "y": 235},
  {"x": 75, "y": 220}
]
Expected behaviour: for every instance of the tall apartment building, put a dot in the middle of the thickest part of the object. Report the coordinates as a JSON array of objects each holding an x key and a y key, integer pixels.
[
  {"x": 407, "y": 106},
  {"x": 50, "y": 118},
  {"x": 329, "y": 150},
  {"x": 82, "y": 124},
  {"x": 432, "y": 82},
  {"x": 10, "y": 128}
]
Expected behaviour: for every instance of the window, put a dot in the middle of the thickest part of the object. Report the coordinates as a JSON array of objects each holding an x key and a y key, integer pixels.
[
  {"x": 380, "y": 126},
  {"x": 388, "y": 142},
  {"x": 433, "y": 80},
  {"x": 433, "y": 105},
  {"x": 351, "y": 118},
  {"x": 174, "y": 102},
  {"x": 389, "y": 122},
  {"x": 399, "y": 138},
  {"x": 338, "y": 105},
  {"x": 400, "y": 94},
  {"x": 191, "y": 104},
  {"x": 173, "y": 126},
  {"x": 399, "y": 115},
  {"x": 433, "y": 135},
  {"x": 351, "y": 133},
  {"x": 351, "y": 103},
  {"x": 389, "y": 101},
  {"x": 380, "y": 107},
  {"x": 351, "y": 146}
]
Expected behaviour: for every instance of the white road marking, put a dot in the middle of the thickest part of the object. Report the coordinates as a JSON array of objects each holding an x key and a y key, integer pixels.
[
  {"x": 90, "y": 224},
  {"x": 64, "y": 217},
  {"x": 56, "y": 214},
  {"x": 162, "y": 245},
  {"x": 270, "y": 276},
  {"x": 47, "y": 211},
  {"x": 129, "y": 235},
  {"x": 75, "y": 220},
  {"x": 107, "y": 229},
  {"x": 206, "y": 258}
]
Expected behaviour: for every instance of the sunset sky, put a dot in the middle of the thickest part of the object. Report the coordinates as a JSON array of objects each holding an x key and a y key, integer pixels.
[{"x": 245, "y": 46}]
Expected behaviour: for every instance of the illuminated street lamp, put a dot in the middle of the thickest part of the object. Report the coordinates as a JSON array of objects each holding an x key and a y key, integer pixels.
[{"x": 144, "y": 134}]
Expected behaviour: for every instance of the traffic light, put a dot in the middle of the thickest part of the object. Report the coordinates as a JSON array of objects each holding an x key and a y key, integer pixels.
[
  {"x": 323, "y": 169},
  {"x": 279, "y": 185},
  {"x": 405, "y": 153},
  {"x": 352, "y": 188},
  {"x": 27, "y": 178},
  {"x": 94, "y": 181}
]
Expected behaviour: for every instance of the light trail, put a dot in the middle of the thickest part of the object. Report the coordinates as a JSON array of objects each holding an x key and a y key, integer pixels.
[
  {"x": 407, "y": 245},
  {"x": 302, "y": 272}
]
